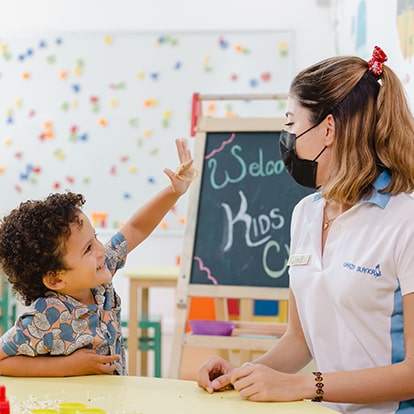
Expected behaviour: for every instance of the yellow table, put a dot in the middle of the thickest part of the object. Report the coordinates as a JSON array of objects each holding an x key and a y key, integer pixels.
[
  {"x": 140, "y": 395},
  {"x": 141, "y": 279}
]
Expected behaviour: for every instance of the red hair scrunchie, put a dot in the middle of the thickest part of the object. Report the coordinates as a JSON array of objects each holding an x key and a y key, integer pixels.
[{"x": 375, "y": 63}]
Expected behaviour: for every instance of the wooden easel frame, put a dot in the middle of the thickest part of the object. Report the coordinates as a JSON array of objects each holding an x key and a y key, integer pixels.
[{"x": 261, "y": 333}]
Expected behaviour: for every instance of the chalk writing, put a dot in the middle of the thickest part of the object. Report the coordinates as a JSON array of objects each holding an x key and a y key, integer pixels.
[
  {"x": 256, "y": 169},
  {"x": 260, "y": 226}
]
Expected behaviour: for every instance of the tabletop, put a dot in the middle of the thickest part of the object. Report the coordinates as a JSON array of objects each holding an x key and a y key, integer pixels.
[{"x": 139, "y": 395}]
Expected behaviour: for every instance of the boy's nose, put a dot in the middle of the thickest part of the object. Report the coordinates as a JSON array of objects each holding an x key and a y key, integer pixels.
[{"x": 100, "y": 248}]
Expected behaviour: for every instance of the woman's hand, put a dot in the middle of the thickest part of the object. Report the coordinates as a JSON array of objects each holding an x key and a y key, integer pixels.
[
  {"x": 185, "y": 173},
  {"x": 257, "y": 382},
  {"x": 215, "y": 375}
]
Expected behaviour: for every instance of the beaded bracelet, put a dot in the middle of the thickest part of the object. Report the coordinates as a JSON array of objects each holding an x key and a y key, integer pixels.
[{"x": 319, "y": 387}]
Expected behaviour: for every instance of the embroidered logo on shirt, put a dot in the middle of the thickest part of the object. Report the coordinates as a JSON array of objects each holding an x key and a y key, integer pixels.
[{"x": 376, "y": 271}]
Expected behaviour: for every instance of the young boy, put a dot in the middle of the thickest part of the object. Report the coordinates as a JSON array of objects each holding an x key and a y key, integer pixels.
[{"x": 53, "y": 260}]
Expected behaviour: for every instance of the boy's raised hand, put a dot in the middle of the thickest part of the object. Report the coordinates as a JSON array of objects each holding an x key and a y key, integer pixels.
[{"x": 185, "y": 173}]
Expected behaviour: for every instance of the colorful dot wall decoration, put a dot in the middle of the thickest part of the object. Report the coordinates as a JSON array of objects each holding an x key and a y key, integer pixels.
[{"x": 98, "y": 114}]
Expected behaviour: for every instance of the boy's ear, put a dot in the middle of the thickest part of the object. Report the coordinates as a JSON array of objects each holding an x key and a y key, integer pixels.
[{"x": 54, "y": 282}]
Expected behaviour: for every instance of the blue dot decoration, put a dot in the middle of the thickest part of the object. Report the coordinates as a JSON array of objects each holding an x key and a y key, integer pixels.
[{"x": 224, "y": 44}]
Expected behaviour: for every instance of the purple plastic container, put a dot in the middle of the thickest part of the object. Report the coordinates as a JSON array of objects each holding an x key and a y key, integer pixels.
[{"x": 211, "y": 327}]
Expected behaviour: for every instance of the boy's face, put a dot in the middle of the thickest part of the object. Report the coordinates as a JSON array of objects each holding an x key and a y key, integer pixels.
[{"x": 85, "y": 259}]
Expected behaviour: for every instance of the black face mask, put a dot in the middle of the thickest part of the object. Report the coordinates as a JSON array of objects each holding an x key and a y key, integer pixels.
[{"x": 302, "y": 171}]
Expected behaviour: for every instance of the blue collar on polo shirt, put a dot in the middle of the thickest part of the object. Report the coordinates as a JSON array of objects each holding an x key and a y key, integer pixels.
[{"x": 380, "y": 199}]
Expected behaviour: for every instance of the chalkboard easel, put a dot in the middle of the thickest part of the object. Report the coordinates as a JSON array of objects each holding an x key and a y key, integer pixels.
[{"x": 236, "y": 243}]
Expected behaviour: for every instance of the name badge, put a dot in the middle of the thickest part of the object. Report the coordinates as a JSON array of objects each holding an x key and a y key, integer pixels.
[{"x": 298, "y": 260}]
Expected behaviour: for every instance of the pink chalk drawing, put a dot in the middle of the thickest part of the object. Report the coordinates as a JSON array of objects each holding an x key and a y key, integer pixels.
[
  {"x": 202, "y": 267},
  {"x": 223, "y": 144}
]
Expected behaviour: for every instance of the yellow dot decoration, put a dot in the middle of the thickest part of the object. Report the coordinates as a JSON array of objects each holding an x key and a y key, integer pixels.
[
  {"x": 147, "y": 133},
  {"x": 108, "y": 40},
  {"x": 59, "y": 154},
  {"x": 78, "y": 71},
  {"x": 283, "y": 48},
  {"x": 167, "y": 114}
]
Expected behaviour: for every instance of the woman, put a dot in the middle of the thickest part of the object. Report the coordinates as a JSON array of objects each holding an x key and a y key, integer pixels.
[{"x": 350, "y": 135}]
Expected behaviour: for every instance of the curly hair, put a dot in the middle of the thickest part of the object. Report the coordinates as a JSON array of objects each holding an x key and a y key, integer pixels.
[
  {"x": 374, "y": 126},
  {"x": 32, "y": 241}
]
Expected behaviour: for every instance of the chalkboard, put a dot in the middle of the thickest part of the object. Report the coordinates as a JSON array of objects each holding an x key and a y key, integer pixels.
[
  {"x": 236, "y": 243},
  {"x": 244, "y": 211}
]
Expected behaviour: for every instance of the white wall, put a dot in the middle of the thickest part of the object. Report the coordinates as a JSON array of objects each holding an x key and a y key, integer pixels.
[{"x": 311, "y": 21}]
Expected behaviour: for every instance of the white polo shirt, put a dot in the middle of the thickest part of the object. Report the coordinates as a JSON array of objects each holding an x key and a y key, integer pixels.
[{"x": 349, "y": 299}]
